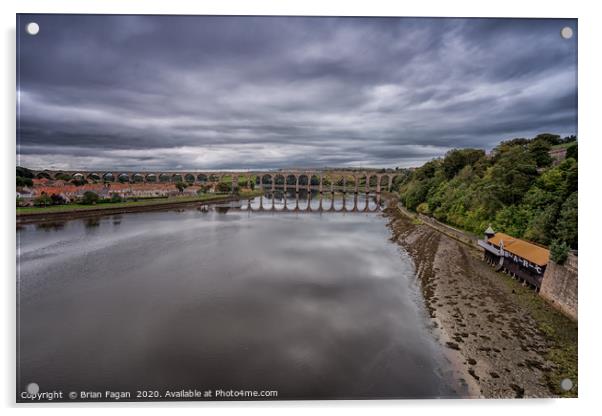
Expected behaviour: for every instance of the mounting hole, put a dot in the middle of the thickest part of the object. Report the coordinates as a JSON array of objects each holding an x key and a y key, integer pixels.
[
  {"x": 33, "y": 388},
  {"x": 566, "y": 32},
  {"x": 32, "y": 28},
  {"x": 566, "y": 384}
]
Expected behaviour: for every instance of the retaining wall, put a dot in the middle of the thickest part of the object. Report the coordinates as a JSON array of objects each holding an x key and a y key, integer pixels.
[{"x": 559, "y": 286}]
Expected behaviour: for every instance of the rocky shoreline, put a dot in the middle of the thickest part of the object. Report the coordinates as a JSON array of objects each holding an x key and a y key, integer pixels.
[{"x": 498, "y": 346}]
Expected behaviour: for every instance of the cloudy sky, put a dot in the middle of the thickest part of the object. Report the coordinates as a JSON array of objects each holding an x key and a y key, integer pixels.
[{"x": 208, "y": 92}]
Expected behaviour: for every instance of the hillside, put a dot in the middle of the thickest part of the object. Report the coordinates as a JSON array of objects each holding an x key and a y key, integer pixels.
[{"x": 516, "y": 188}]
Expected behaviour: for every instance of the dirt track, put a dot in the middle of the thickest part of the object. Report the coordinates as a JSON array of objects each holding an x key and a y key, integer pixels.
[{"x": 496, "y": 344}]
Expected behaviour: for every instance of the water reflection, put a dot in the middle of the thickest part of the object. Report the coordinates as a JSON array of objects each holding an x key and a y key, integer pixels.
[
  {"x": 313, "y": 201},
  {"x": 314, "y": 306}
]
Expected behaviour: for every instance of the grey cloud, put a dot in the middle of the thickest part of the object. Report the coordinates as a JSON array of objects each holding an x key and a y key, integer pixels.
[{"x": 219, "y": 92}]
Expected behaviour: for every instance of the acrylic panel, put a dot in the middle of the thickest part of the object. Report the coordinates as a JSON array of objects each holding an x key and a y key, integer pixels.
[{"x": 287, "y": 207}]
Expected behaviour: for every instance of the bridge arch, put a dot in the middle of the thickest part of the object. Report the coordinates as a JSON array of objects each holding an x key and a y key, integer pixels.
[
  {"x": 291, "y": 180},
  {"x": 137, "y": 178},
  {"x": 266, "y": 179},
  {"x": 396, "y": 180},
  {"x": 108, "y": 177},
  {"x": 189, "y": 178},
  {"x": 164, "y": 177},
  {"x": 202, "y": 178},
  {"x": 177, "y": 177},
  {"x": 279, "y": 180},
  {"x": 62, "y": 176},
  {"x": 303, "y": 179},
  {"x": 151, "y": 177},
  {"x": 43, "y": 175},
  {"x": 93, "y": 176},
  {"x": 372, "y": 181},
  {"x": 123, "y": 177}
]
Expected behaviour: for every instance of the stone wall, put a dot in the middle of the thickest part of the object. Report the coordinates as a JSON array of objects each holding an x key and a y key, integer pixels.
[{"x": 559, "y": 286}]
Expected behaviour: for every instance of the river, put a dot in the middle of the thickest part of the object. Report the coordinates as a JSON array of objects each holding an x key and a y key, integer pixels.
[{"x": 311, "y": 305}]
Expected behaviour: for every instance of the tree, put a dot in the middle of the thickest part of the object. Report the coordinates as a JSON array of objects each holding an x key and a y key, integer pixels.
[
  {"x": 58, "y": 199},
  {"x": 89, "y": 198},
  {"x": 572, "y": 152},
  {"x": 539, "y": 149},
  {"x": 24, "y": 172},
  {"x": 456, "y": 159},
  {"x": 559, "y": 251},
  {"x": 552, "y": 139},
  {"x": 42, "y": 200},
  {"x": 567, "y": 225},
  {"x": 181, "y": 186},
  {"x": 23, "y": 181},
  {"x": 515, "y": 189},
  {"x": 223, "y": 187},
  {"x": 512, "y": 175}
]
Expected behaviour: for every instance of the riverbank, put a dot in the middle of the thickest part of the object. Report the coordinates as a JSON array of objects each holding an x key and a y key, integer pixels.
[
  {"x": 504, "y": 339},
  {"x": 73, "y": 211}
]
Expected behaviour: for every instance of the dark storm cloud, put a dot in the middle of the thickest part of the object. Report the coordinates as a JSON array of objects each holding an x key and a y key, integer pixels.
[{"x": 184, "y": 92}]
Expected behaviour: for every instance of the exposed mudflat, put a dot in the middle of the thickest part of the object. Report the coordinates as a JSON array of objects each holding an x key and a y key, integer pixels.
[{"x": 497, "y": 345}]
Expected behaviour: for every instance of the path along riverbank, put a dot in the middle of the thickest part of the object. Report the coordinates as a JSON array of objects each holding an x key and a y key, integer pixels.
[{"x": 504, "y": 339}]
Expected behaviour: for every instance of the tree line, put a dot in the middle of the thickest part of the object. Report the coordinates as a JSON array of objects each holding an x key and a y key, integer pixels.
[{"x": 516, "y": 188}]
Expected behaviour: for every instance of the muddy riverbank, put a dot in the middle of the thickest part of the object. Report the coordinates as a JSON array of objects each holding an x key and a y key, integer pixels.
[{"x": 506, "y": 342}]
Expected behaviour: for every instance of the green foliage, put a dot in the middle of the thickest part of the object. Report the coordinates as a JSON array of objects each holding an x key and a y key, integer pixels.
[
  {"x": 116, "y": 198},
  {"x": 515, "y": 189},
  {"x": 89, "y": 198},
  {"x": 24, "y": 181},
  {"x": 223, "y": 187},
  {"x": 42, "y": 201},
  {"x": 559, "y": 251},
  {"x": 24, "y": 172},
  {"x": 57, "y": 199},
  {"x": 423, "y": 208},
  {"x": 181, "y": 186},
  {"x": 538, "y": 149},
  {"x": 572, "y": 152},
  {"x": 567, "y": 221},
  {"x": 62, "y": 177},
  {"x": 456, "y": 159},
  {"x": 512, "y": 175}
]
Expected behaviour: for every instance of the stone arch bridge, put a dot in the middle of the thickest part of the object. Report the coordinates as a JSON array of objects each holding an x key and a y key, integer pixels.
[{"x": 287, "y": 180}]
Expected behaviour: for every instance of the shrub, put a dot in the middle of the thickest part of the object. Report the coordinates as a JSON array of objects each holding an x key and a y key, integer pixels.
[
  {"x": 57, "y": 199},
  {"x": 89, "y": 198},
  {"x": 423, "y": 208},
  {"x": 21, "y": 181},
  {"x": 559, "y": 251},
  {"x": 42, "y": 201},
  {"x": 181, "y": 186},
  {"x": 222, "y": 187}
]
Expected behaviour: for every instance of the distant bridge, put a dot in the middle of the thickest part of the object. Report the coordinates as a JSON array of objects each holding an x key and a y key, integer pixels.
[{"x": 317, "y": 181}]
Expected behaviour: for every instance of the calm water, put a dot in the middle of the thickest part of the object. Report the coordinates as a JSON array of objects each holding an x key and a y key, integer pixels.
[{"x": 311, "y": 305}]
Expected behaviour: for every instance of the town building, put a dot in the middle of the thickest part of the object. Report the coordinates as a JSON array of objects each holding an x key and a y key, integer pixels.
[{"x": 519, "y": 258}]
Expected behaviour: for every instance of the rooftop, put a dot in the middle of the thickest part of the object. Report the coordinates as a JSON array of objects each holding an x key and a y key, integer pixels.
[{"x": 528, "y": 251}]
